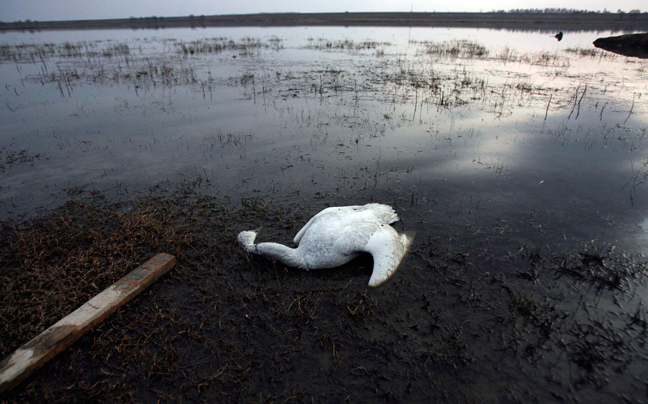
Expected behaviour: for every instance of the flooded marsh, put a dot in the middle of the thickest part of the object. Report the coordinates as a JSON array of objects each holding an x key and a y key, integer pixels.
[{"x": 519, "y": 162}]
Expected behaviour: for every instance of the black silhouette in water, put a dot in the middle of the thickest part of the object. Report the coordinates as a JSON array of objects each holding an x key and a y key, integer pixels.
[
  {"x": 559, "y": 36},
  {"x": 627, "y": 45}
]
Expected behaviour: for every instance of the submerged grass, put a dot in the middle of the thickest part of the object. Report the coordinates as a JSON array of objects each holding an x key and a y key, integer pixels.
[
  {"x": 453, "y": 48},
  {"x": 432, "y": 78},
  {"x": 246, "y": 46},
  {"x": 346, "y": 44}
]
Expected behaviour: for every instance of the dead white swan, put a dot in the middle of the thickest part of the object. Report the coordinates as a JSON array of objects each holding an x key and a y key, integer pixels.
[{"x": 337, "y": 235}]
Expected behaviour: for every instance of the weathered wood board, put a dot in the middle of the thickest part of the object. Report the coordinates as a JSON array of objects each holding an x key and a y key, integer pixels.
[{"x": 26, "y": 359}]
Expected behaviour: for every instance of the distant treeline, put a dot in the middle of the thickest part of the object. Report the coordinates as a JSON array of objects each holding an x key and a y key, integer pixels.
[
  {"x": 563, "y": 11},
  {"x": 536, "y": 19}
]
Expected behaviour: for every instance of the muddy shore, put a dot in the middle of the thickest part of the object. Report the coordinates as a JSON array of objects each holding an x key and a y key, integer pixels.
[{"x": 225, "y": 326}]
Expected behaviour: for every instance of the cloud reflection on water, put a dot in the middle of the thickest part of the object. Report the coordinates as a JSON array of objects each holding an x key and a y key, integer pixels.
[{"x": 526, "y": 124}]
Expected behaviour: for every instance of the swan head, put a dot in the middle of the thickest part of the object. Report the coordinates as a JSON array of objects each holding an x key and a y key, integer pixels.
[{"x": 246, "y": 239}]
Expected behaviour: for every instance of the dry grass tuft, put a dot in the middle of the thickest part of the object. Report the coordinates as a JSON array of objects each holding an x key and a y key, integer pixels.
[{"x": 50, "y": 266}]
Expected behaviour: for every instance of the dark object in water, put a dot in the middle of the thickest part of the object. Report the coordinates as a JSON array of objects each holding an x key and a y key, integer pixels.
[
  {"x": 627, "y": 45},
  {"x": 559, "y": 36}
]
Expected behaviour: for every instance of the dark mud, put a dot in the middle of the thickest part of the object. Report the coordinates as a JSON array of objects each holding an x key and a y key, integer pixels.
[{"x": 458, "y": 323}]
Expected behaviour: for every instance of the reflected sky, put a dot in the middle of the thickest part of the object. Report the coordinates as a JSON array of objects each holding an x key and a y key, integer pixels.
[
  {"x": 526, "y": 41},
  {"x": 547, "y": 136}
]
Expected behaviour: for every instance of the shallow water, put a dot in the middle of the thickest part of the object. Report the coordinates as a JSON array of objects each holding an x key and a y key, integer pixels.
[
  {"x": 389, "y": 121},
  {"x": 518, "y": 141}
]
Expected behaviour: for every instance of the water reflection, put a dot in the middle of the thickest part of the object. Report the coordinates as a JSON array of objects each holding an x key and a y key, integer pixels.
[
  {"x": 426, "y": 121},
  {"x": 357, "y": 115}
]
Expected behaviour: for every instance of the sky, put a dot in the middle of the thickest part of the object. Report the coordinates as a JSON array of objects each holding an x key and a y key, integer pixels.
[{"x": 46, "y": 10}]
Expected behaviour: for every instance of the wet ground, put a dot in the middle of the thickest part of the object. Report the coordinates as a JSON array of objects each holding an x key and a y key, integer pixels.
[{"x": 520, "y": 169}]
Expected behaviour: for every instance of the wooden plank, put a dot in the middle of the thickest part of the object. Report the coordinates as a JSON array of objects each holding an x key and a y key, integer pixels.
[{"x": 26, "y": 359}]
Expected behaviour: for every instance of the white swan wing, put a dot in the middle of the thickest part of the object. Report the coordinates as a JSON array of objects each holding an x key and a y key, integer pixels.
[
  {"x": 388, "y": 249},
  {"x": 354, "y": 237},
  {"x": 329, "y": 215},
  {"x": 383, "y": 213},
  {"x": 349, "y": 215}
]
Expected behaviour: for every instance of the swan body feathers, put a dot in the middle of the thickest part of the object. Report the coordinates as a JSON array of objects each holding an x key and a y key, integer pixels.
[{"x": 336, "y": 235}]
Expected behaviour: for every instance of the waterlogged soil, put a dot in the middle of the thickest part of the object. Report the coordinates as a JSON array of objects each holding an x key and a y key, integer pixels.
[
  {"x": 521, "y": 171},
  {"x": 456, "y": 323}
]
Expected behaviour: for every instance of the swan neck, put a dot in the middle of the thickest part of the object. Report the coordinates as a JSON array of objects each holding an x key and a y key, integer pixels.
[{"x": 279, "y": 252}]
